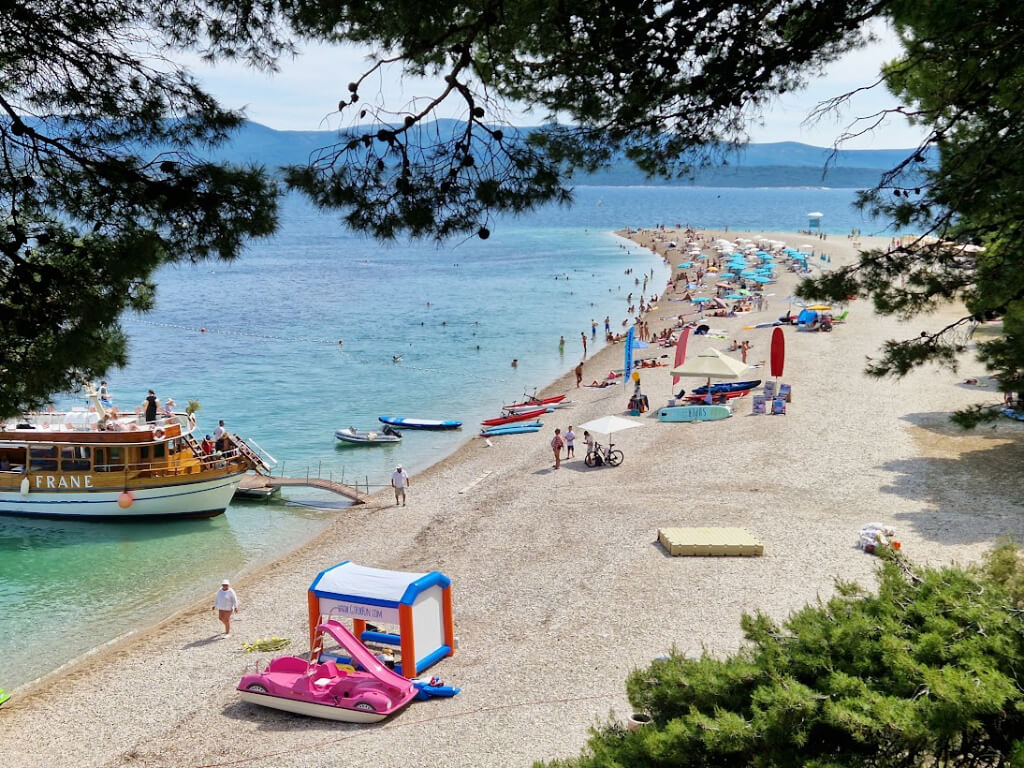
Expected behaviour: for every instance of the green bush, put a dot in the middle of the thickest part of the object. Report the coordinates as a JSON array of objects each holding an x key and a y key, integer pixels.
[{"x": 927, "y": 671}]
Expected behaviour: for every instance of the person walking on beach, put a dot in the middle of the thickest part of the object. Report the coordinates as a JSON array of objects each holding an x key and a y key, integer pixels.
[
  {"x": 570, "y": 443},
  {"x": 583, "y": 336},
  {"x": 399, "y": 481},
  {"x": 556, "y": 445},
  {"x": 150, "y": 404},
  {"x": 225, "y": 603},
  {"x": 579, "y": 374}
]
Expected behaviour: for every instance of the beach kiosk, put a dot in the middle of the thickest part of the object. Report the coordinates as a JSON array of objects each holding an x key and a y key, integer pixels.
[
  {"x": 814, "y": 222},
  {"x": 419, "y": 605}
]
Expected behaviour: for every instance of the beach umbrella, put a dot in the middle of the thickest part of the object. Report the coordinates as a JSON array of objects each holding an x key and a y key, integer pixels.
[
  {"x": 743, "y": 292},
  {"x": 711, "y": 364},
  {"x": 820, "y": 308},
  {"x": 692, "y": 286},
  {"x": 684, "y": 265},
  {"x": 762, "y": 280},
  {"x": 608, "y": 425},
  {"x": 700, "y": 299},
  {"x": 733, "y": 296}
]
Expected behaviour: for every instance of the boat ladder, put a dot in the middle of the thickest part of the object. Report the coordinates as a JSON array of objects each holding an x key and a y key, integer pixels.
[{"x": 261, "y": 461}]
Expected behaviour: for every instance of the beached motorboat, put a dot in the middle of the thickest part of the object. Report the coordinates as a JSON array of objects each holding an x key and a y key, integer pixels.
[
  {"x": 363, "y": 691},
  {"x": 95, "y": 464},
  {"x": 410, "y": 423},
  {"x": 369, "y": 437},
  {"x": 524, "y": 416}
]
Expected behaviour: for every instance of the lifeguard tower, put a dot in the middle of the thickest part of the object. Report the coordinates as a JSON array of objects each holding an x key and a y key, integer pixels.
[
  {"x": 417, "y": 605},
  {"x": 814, "y": 222}
]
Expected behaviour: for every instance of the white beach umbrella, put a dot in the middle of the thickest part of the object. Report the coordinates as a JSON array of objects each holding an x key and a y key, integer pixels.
[
  {"x": 711, "y": 364},
  {"x": 606, "y": 425}
]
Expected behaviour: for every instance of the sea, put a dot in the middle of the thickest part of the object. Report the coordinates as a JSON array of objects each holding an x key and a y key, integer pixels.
[{"x": 319, "y": 328}]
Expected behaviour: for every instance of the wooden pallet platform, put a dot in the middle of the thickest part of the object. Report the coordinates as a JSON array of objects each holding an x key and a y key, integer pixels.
[{"x": 709, "y": 542}]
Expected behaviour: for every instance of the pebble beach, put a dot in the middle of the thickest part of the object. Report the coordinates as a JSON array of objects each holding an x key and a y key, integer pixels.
[{"x": 560, "y": 587}]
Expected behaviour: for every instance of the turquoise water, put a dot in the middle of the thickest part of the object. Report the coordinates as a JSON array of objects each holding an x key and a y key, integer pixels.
[{"x": 269, "y": 363}]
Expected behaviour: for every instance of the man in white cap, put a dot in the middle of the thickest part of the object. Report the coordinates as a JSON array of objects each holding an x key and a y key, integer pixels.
[
  {"x": 225, "y": 602},
  {"x": 399, "y": 481}
]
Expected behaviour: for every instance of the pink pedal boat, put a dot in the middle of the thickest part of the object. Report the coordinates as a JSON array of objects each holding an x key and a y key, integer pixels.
[{"x": 367, "y": 694}]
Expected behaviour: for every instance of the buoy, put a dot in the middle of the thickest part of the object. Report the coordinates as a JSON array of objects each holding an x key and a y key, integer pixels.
[
  {"x": 125, "y": 500},
  {"x": 158, "y": 433},
  {"x": 202, "y": 330},
  {"x": 24, "y": 486}
]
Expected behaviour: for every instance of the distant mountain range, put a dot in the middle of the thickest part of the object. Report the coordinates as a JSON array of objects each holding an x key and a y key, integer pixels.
[{"x": 781, "y": 164}]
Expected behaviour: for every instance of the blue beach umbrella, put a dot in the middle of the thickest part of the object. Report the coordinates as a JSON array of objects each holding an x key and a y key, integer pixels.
[
  {"x": 761, "y": 279},
  {"x": 700, "y": 299},
  {"x": 733, "y": 296},
  {"x": 685, "y": 265}
]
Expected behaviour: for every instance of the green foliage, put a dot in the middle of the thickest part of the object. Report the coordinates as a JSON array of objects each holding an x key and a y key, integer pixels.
[
  {"x": 99, "y": 185},
  {"x": 192, "y": 407},
  {"x": 962, "y": 76},
  {"x": 923, "y": 672}
]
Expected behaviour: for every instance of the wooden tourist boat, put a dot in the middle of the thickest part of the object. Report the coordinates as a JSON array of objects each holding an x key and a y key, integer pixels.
[{"x": 93, "y": 464}]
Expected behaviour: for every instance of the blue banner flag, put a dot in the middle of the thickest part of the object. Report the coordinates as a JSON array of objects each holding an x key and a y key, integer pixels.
[{"x": 628, "y": 369}]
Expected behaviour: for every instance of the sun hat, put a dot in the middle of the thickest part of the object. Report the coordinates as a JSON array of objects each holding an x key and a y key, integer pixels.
[
  {"x": 225, "y": 583},
  {"x": 399, "y": 466}
]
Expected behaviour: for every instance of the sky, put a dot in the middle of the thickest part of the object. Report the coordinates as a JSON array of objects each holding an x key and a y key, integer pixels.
[{"x": 304, "y": 95}]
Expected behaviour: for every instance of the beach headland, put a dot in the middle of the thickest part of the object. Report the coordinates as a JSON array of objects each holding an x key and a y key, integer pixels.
[{"x": 559, "y": 586}]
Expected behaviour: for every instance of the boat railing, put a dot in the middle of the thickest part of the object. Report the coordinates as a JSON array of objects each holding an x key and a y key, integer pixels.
[{"x": 261, "y": 460}]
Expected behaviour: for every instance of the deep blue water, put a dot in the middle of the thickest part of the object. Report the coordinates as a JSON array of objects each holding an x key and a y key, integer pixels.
[{"x": 269, "y": 363}]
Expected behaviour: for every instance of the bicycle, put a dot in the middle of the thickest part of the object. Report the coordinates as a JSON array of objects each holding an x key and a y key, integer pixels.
[{"x": 600, "y": 455}]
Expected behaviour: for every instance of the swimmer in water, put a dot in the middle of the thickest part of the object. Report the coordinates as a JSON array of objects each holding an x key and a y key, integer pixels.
[{"x": 396, "y": 358}]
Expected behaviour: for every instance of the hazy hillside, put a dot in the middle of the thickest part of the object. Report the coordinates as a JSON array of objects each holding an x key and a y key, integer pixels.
[{"x": 782, "y": 164}]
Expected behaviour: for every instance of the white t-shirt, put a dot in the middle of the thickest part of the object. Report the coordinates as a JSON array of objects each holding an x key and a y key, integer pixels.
[
  {"x": 226, "y": 600},
  {"x": 399, "y": 478},
  {"x": 218, "y": 432},
  {"x": 570, "y": 437}
]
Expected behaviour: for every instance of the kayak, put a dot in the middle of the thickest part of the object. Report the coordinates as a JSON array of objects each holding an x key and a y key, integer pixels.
[
  {"x": 506, "y": 427},
  {"x": 732, "y": 386},
  {"x": 526, "y": 416},
  {"x": 512, "y": 430},
  {"x": 525, "y": 408},
  {"x": 535, "y": 401},
  {"x": 702, "y": 399},
  {"x": 407, "y": 423}
]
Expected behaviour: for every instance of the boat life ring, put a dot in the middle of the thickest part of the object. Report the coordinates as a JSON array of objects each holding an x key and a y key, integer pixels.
[{"x": 158, "y": 433}]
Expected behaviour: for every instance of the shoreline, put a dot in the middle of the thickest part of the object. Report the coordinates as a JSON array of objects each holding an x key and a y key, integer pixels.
[
  {"x": 379, "y": 500},
  {"x": 549, "y": 568}
]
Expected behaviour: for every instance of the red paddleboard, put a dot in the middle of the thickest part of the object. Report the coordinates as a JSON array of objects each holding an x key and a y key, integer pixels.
[
  {"x": 681, "y": 352},
  {"x": 518, "y": 417},
  {"x": 778, "y": 355}
]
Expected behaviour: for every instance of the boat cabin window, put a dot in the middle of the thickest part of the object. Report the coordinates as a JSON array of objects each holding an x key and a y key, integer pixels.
[
  {"x": 12, "y": 458},
  {"x": 42, "y": 458},
  {"x": 108, "y": 459},
  {"x": 75, "y": 458}
]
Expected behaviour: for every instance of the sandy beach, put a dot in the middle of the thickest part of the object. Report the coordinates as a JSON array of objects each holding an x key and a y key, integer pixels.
[{"x": 560, "y": 588}]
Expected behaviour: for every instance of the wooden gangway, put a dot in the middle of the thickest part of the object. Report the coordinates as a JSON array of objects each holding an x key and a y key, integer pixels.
[{"x": 254, "y": 484}]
